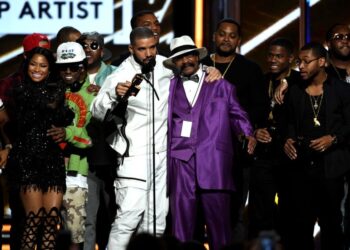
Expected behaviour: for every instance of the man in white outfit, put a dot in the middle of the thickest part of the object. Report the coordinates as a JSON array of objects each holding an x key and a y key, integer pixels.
[{"x": 134, "y": 183}]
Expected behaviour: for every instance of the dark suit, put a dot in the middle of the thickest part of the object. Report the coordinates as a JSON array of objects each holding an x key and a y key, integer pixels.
[
  {"x": 341, "y": 74},
  {"x": 317, "y": 187}
]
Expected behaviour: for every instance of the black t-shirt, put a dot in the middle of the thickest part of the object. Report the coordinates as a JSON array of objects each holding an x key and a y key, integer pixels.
[
  {"x": 308, "y": 128},
  {"x": 248, "y": 80},
  {"x": 275, "y": 116},
  {"x": 336, "y": 72}
]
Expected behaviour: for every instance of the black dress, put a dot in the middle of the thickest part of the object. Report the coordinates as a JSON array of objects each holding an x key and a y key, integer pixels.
[{"x": 36, "y": 161}]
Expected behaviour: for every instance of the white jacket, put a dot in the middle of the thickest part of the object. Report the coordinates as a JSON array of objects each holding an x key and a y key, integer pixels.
[{"x": 139, "y": 111}]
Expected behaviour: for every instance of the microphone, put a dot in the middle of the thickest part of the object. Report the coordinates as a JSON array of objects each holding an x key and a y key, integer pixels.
[
  {"x": 134, "y": 88},
  {"x": 146, "y": 73},
  {"x": 137, "y": 79},
  {"x": 149, "y": 67}
]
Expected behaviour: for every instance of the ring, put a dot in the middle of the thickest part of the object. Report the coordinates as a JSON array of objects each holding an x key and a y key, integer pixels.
[{"x": 323, "y": 149}]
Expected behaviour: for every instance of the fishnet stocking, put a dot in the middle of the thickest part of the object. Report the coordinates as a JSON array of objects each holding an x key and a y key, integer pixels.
[
  {"x": 30, "y": 230},
  {"x": 51, "y": 224}
]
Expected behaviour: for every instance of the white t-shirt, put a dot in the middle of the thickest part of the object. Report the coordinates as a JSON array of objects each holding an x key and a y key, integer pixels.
[{"x": 92, "y": 78}]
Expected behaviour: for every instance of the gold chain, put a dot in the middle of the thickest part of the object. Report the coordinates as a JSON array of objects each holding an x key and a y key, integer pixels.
[
  {"x": 314, "y": 110},
  {"x": 228, "y": 66}
]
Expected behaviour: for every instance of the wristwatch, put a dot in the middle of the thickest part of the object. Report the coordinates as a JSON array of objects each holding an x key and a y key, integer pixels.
[{"x": 8, "y": 146}]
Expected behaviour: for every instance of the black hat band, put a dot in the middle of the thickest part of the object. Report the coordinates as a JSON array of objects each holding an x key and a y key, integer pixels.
[{"x": 181, "y": 48}]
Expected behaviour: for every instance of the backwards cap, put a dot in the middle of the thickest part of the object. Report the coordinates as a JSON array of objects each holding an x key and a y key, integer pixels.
[{"x": 33, "y": 40}]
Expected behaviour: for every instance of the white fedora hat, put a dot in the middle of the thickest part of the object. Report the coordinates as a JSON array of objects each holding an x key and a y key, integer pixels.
[{"x": 182, "y": 45}]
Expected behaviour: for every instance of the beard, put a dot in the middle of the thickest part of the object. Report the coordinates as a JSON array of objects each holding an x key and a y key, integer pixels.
[
  {"x": 334, "y": 53},
  {"x": 146, "y": 67},
  {"x": 225, "y": 53}
]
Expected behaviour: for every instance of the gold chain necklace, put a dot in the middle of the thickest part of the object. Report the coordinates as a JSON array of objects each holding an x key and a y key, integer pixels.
[
  {"x": 228, "y": 66},
  {"x": 316, "y": 108}
]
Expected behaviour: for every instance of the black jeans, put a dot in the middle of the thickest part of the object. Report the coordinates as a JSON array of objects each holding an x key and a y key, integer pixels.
[
  {"x": 264, "y": 185},
  {"x": 314, "y": 198}
]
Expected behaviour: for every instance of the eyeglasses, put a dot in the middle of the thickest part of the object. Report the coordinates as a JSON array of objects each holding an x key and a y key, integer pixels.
[
  {"x": 341, "y": 37},
  {"x": 93, "y": 46},
  {"x": 298, "y": 62},
  {"x": 71, "y": 67}
]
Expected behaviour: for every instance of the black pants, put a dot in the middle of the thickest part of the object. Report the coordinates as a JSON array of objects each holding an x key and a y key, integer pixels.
[
  {"x": 241, "y": 175},
  {"x": 346, "y": 219},
  {"x": 101, "y": 207},
  {"x": 314, "y": 198},
  {"x": 264, "y": 185},
  {"x": 17, "y": 218}
]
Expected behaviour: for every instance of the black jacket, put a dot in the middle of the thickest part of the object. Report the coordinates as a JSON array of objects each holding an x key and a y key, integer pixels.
[
  {"x": 279, "y": 121},
  {"x": 336, "y": 95}
]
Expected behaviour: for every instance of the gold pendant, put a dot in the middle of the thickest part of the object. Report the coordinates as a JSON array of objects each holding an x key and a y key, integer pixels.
[{"x": 316, "y": 122}]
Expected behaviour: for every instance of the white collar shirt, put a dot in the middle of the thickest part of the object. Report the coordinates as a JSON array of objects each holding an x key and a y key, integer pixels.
[{"x": 193, "y": 88}]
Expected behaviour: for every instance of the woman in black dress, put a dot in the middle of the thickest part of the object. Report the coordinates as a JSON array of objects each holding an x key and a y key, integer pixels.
[{"x": 36, "y": 163}]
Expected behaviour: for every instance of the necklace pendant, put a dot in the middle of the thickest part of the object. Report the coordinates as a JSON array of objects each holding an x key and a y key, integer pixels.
[
  {"x": 315, "y": 105},
  {"x": 316, "y": 122}
]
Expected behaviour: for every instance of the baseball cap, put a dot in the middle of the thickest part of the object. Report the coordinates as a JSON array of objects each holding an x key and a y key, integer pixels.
[
  {"x": 33, "y": 40},
  {"x": 70, "y": 52},
  {"x": 95, "y": 36}
]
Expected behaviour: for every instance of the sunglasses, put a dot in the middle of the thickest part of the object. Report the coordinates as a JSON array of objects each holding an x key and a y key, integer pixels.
[
  {"x": 93, "y": 46},
  {"x": 71, "y": 67},
  {"x": 341, "y": 37}
]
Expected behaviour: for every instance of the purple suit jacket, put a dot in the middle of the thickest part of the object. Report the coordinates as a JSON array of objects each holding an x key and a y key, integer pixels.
[{"x": 221, "y": 119}]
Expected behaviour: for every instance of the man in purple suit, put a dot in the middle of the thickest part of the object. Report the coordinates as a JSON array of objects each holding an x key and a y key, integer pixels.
[{"x": 204, "y": 120}]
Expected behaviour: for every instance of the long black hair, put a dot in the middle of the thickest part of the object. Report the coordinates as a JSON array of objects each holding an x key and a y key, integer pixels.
[{"x": 53, "y": 76}]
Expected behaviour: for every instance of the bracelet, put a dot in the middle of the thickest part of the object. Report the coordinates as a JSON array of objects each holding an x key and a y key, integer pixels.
[{"x": 8, "y": 146}]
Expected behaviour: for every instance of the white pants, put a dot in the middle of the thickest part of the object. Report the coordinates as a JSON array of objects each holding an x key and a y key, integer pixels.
[{"x": 135, "y": 211}]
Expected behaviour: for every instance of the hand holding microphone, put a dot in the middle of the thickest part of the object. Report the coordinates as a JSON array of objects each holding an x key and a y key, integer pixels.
[{"x": 124, "y": 90}]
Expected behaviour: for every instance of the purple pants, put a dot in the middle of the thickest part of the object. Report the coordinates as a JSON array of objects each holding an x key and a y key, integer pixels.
[{"x": 185, "y": 196}]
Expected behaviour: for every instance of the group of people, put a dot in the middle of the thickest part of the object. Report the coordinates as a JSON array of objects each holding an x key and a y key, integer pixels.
[
  {"x": 58, "y": 151},
  {"x": 187, "y": 135}
]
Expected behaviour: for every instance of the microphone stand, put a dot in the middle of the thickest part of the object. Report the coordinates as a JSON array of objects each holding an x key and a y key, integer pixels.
[
  {"x": 154, "y": 156},
  {"x": 152, "y": 86},
  {"x": 150, "y": 69}
]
